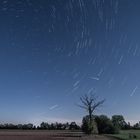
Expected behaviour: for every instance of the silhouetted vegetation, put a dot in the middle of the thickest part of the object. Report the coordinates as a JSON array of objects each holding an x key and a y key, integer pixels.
[
  {"x": 105, "y": 125},
  {"x": 101, "y": 124},
  {"x": 119, "y": 122},
  {"x": 19, "y": 126},
  {"x": 59, "y": 126},
  {"x": 90, "y": 104},
  {"x": 87, "y": 127},
  {"x": 137, "y": 126},
  {"x": 43, "y": 126}
]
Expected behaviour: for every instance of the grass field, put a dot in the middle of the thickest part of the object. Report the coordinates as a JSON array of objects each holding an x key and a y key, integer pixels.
[
  {"x": 63, "y": 135},
  {"x": 38, "y": 135},
  {"x": 48, "y": 135},
  {"x": 128, "y": 135}
]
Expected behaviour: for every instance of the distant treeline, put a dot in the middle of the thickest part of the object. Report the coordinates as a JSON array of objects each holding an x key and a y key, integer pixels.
[
  {"x": 104, "y": 125},
  {"x": 43, "y": 126}
]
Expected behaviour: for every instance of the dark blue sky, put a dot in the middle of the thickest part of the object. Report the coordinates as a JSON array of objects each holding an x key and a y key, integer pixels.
[{"x": 54, "y": 51}]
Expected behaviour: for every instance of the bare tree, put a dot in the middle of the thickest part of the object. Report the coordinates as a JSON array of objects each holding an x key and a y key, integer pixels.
[{"x": 90, "y": 104}]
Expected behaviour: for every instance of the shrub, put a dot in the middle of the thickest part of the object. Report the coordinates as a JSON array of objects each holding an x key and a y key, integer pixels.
[
  {"x": 89, "y": 127},
  {"x": 105, "y": 125}
]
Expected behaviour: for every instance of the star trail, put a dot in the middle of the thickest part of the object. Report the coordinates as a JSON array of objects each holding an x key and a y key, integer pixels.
[{"x": 54, "y": 51}]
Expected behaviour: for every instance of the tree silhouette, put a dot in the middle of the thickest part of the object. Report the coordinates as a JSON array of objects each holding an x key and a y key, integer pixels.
[
  {"x": 90, "y": 104},
  {"x": 119, "y": 121}
]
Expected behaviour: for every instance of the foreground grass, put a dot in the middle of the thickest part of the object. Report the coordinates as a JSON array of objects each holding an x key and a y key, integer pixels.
[
  {"x": 48, "y": 135},
  {"x": 125, "y": 135}
]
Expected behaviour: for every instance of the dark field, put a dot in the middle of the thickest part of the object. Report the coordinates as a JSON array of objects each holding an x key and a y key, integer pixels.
[
  {"x": 47, "y": 135},
  {"x": 125, "y": 135}
]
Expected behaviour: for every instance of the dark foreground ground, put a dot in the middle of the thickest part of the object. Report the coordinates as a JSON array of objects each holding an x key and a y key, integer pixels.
[{"x": 47, "y": 135}]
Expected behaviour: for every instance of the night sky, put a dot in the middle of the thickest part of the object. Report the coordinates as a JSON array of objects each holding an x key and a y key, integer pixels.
[{"x": 54, "y": 51}]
